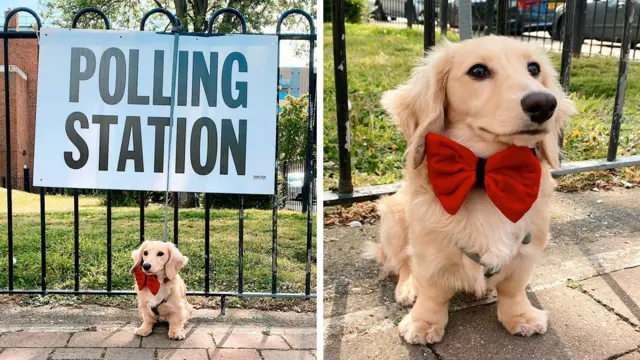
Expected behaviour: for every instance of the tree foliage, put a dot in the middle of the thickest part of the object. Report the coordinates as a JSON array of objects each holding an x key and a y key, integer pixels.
[
  {"x": 292, "y": 130},
  {"x": 194, "y": 14}
]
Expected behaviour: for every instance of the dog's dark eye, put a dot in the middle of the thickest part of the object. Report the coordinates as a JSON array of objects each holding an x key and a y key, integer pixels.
[
  {"x": 479, "y": 72},
  {"x": 534, "y": 68},
  {"x": 160, "y": 253},
  {"x": 145, "y": 253}
]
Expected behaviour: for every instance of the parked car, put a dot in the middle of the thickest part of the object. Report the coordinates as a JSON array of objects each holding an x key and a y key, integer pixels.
[
  {"x": 295, "y": 183},
  {"x": 522, "y": 15},
  {"x": 385, "y": 10},
  {"x": 604, "y": 20}
]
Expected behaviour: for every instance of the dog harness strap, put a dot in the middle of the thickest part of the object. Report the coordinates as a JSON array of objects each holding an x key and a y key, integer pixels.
[
  {"x": 475, "y": 257},
  {"x": 155, "y": 308}
]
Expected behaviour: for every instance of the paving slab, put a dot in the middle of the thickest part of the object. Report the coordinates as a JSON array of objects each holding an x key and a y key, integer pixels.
[
  {"x": 25, "y": 354},
  {"x": 618, "y": 290},
  {"x": 104, "y": 339},
  {"x": 579, "y": 328},
  {"x": 77, "y": 354},
  {"x": 124, "y": 353},
  {"x": 195, "y": 339},
  {"x": 385, "y": 344},
  {"x": 635, "y": 355},
  {"x": 287, "y": 355},
  {"x": 93, "y": 317},
  {"x": 182, "y": 354},
  {"x": 34, "y": 339},
  {"x": 245, "y": 340},
  {"x": 301, "y": 341},
  {"x": 233, "y": 354}
]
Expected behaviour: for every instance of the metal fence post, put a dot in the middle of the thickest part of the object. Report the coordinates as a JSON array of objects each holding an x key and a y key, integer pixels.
[
  {"x": 345, "y": 185},
  {"x": 578, "y": 27},
  {"x": 465, "y": 22},
  {"x": 408, "y": 13},
  {"x": 501, "y": 28},
  {"x": 614, "y": 135},
  {"x": 565, "y": 62},
  {"x": 489, "y": 17},
  {"x": 444, "y": 14},
  {"x": 27, "y": 181},
  {"x": 429, "y": 25}
]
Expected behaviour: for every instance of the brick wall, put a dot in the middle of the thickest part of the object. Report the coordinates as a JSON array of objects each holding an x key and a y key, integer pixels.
[{"x": 23, "y": 61}]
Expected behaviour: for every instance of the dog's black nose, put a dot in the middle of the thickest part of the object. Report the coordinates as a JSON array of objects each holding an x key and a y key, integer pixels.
[
  {"x": 146, "y": 267},
  {"x": 539, "y": 106}
]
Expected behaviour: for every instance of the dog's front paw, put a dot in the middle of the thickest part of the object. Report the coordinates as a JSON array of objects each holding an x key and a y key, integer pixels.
[
  {"x": 176, "y": 335},
  {"x": 143, "y": 331},
  {"x": 420, "y": 332},
  {"x": 406, "y": 293},
  {"x": 526, "y": 324}
]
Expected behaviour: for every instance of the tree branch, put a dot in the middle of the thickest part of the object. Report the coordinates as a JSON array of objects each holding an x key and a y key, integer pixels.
[{"x": 158, "y": 4}]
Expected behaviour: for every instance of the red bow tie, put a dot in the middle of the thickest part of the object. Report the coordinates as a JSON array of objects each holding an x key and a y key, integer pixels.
[
  {"x": 150, "y": 281},
  {"x": 510, "y": 177}
]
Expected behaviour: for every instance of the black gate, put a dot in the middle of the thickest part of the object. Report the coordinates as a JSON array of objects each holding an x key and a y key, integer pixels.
[{"x": 308, "y": 170}]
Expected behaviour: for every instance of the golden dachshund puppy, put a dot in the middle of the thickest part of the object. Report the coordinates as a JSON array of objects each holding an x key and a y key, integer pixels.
[
  {"x": 461, "y": 222},
  {"x": 162, "y": 295}
]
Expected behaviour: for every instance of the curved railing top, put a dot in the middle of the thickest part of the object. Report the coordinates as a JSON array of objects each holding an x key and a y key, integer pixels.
[
  {"x": 107, "y": 23},
  {"x": 238, "y": 14},
  {"x": 177, "y": 23},
  {"x": 174, "y": 19},
  {"x": 17, "y": 10},
  {"x": 312, "y": 29}
]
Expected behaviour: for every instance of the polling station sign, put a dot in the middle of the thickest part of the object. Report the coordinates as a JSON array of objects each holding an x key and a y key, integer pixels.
[{"x": 103, "y": 112}]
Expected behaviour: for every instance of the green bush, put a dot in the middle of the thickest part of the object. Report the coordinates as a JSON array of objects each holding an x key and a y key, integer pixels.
[{"x": 355, "y": 11}]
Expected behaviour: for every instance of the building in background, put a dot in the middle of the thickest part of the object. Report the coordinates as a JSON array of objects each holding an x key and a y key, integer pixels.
[
  {"x": 23, "y": 86},
  {"x": 293, "y": 81}
]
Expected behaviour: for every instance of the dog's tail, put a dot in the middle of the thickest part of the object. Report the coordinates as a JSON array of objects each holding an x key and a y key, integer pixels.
[{"x": 374, "y": 251}]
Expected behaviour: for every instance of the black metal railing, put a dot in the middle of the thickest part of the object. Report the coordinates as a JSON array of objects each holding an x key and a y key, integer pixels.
[
  {"x": 307, "y": 168},
  {"x": 506, "y": 18}
]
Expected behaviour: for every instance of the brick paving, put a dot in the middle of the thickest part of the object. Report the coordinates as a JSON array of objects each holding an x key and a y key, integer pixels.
[{"x": 202, "y": 343}]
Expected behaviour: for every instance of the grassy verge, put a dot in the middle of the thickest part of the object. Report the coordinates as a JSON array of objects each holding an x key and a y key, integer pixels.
[
  {"x": 379, "y": 59},
  {"x": 125, "y": 238}
]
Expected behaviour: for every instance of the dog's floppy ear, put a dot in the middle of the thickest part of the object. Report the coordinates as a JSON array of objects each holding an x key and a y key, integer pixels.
[
  {"x": 136, "y": 255},
  {"x": 418, "y": 106},
  {"x": 549, "y": 148},
  {"x": 176, "y": 262}
]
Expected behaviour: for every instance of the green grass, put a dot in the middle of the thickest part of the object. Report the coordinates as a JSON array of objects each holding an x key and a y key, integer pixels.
[
  {"x": 125, "y": 238},
  {"x": 379, "y": 59}
]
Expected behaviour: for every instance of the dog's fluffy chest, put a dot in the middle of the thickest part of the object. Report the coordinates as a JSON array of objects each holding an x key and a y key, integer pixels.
[
  {"x": 477, "y": 228},
  {"x": 154, "y": 300},
  {"x": 488, "y": 233},
  {"x": 162, "y": 294}
]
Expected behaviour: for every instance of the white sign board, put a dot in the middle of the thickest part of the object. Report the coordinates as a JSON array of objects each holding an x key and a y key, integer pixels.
[{"x": 103, "y": 108}]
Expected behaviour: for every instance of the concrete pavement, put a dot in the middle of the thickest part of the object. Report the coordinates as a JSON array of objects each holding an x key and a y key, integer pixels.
[
  {"x": 588, "y": 281},
  {"x": 94, "y": 332}
]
